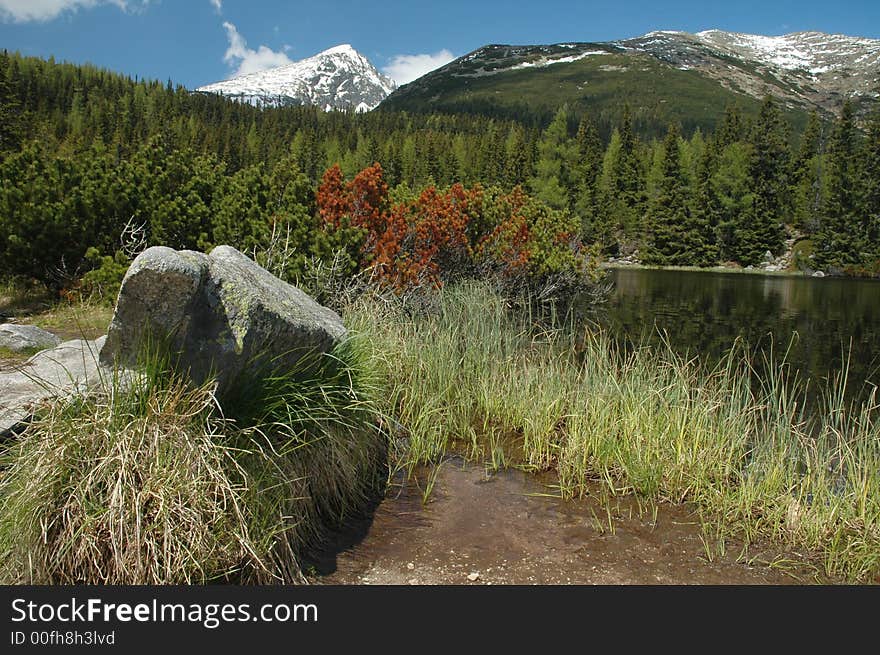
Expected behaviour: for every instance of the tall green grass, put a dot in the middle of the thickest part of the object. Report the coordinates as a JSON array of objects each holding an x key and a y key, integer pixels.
[
  {"x": 477, "y": 378},
  {"x": 153, "y": 481}
]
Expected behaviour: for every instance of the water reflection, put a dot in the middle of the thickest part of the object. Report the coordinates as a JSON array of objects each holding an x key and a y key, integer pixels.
[{"x": 704, "y": 313}]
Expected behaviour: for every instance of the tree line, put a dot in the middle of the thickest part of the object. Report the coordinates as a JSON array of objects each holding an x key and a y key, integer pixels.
[
  {"x": 730, "y": 196},
  {"x": 86, "y": 154}
]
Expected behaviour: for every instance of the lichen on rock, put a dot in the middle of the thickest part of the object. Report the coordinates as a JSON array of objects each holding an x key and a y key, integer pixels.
[{"x": 221, "y": 314}]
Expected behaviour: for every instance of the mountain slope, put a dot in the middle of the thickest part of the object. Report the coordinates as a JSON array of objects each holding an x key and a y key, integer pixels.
[
  {"x": 806, "y": 69},
  {"x": 338, "y": 78},
  {"x": 664, "y": 76}
]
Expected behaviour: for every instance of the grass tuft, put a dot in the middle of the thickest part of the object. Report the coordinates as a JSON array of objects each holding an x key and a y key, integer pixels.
[{"x": 151, "y": 482}]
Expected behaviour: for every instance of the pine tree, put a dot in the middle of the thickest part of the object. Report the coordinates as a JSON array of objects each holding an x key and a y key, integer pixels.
[
  {"x": 516, "y": 158},
  {"x": 557, "y": 155},
  {"x": 240, "y": 210},
  {"x": 732, "y": 127},
  {"x": 760, "y": 229},
  {"x": 626, "y": 190},
  {"x": 807, "y": 177},
  {"x": 731, "y": 186},
  {"x": 674, "y": 236},
  {"x": 871, "y": 182},
  {"x": 841, "y": 237},
  {"x": 10, "y": 112},
  {"x": 492, "y": 156},
  {"x": 706, "y": 210},
  {"x": 588, "y": 205}
]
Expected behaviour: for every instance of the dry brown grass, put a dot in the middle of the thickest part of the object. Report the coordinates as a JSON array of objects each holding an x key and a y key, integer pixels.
[{"x": 149, "y": 483}]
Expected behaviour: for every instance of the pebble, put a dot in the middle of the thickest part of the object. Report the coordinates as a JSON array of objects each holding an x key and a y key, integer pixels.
[{"x": 473, "y": 577}]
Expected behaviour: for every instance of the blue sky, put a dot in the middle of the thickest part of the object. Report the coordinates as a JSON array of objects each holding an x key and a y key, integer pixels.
[{"x": 195, "y": 42}]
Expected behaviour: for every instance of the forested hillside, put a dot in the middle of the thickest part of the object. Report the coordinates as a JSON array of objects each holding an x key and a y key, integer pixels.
[{"x": 92, "y": 159}]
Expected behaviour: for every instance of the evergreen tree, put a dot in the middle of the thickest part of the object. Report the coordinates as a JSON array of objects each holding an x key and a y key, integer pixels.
[
  {"x": 841, "y": 237},
  {"x": 674, "y": 236},
  {"x": 732, "y": 128},
  {"x": 589, "y": 203},
  {"x": 871, "y": 182},
  {"x": 516, "y": 157},
  {"x": 731, "y": 185},
  {"x": 760, "y": 229},
  {"x": 199, "y": 169},
  {"x": 10, "y": 111},
  {"x": 175, "y": 192},
  {"x": 492, "y": 154},
  {"x": 52, "y": 209},
  {"x": 626, "y": 190},
  {"x": 557, "y": 155},
  {"x": 807, "y": 177},
  {"x": 241, "y": 210},
  {"x": 706, "y": 210}
]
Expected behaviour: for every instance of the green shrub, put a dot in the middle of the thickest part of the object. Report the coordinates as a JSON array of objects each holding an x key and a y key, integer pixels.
[{"x": 105, "y": 278}]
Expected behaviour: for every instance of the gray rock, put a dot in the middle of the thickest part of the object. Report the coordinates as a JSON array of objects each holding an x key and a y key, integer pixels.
[
  {"x": 156, "y": 300},
  {"x": 71, "y": 368},
  {"x": 222, "y": 313},
  {"x": 19, "y": 338}
]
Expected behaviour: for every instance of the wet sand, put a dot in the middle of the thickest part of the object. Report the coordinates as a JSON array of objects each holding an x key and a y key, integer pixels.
[{"x": 507, "y": 528}]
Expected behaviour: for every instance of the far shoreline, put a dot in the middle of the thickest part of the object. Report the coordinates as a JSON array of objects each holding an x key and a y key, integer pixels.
[{"x": 725, "y": 269}]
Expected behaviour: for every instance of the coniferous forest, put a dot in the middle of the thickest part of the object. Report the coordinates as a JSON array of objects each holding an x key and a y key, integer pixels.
[{"x": 90, "y": 158}]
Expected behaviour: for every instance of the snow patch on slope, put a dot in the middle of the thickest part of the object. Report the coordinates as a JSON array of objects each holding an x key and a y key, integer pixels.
[
  {"x": 546, "y": 61},
  {"x": 814, "y": 52}
]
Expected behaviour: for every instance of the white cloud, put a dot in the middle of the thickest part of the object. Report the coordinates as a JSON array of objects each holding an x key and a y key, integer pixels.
[
  {"x": 250, "y": 61},
  {"x": 25, "y": 11},
  {"x": 218, "y": 5},
  {"x": 406, "y": 68}
]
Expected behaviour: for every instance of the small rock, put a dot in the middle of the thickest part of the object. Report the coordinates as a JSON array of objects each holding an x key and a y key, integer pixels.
[
  {"x": 68, "y": 369},
  {"x": 18, "y": 338},
  {"x": 410, "y": 566},
  {"x": 473, "y": 577},
  {"x": 412, "y": 581}
]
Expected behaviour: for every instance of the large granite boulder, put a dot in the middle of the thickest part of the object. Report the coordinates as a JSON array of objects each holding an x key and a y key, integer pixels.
[
  {"x": 69, "y": 369},
  {"x": 222, "y": 314},
  {"x": 20, "y": 338}
]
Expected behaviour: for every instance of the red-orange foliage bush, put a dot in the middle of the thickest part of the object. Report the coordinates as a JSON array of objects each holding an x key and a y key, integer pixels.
[
  {"x": 445, "y": 234},
  {"x": 436, "y": 243},
  {"x": 333, "y": 200}
]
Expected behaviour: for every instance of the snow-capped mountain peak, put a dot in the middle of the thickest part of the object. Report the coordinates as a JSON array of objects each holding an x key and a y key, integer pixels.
[
  {"x": 341, "y": 49},
  {"x": 337, "y": 78}
]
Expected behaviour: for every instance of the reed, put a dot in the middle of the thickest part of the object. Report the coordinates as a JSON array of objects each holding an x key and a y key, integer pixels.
[{"x": 510, "y": 388}]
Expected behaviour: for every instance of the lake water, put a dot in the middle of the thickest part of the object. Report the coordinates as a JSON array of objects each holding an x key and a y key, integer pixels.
[{"x": 703, "y": 313}]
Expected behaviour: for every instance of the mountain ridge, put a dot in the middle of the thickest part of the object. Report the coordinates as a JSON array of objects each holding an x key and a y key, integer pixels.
[
  {"x": 809, "y": 67},
  {"x": 666, "y": 74},
  {"x": 805, "y": 71}
]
